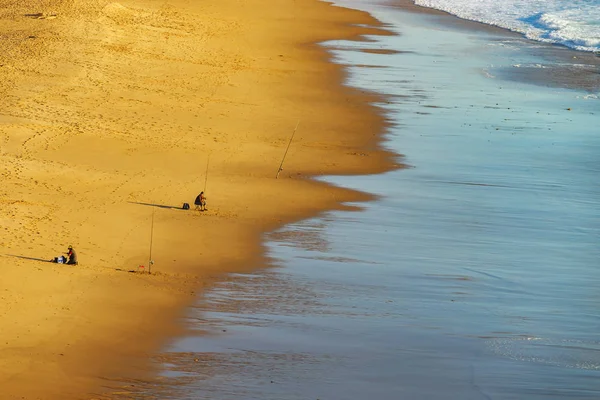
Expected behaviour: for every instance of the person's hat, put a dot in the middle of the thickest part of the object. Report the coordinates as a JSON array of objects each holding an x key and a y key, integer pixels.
[{"x": 70, "y": 247}]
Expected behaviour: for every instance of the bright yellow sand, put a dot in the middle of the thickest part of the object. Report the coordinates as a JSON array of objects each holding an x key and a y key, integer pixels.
[{"x": 104, "y": 106}]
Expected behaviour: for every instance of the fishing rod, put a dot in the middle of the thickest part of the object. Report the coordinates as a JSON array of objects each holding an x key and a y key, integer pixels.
[
  {"x": 206, "y": 174},
  {"x": 286, "y": 150},
  {"x": 150, "y": 262}
]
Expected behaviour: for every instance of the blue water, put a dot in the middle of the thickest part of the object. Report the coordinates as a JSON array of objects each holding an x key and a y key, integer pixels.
[
  {"x": 476, "y": 275},
  {"x": 573, "y": 23}
]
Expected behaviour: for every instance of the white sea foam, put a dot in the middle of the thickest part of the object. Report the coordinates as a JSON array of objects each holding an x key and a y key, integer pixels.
[
  {"x": 574, "y": 23},
  {"x": 539, "y": 66}
]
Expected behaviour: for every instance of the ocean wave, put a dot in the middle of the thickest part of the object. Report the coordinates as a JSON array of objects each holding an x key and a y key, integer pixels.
[
  {"x": 574, "y": 24},
  {"x": 536, "y": 65},
  {"x": 589, "y": 97},
  {"x": 579, "y": 29},
  {"x": 563, "y": 352}
]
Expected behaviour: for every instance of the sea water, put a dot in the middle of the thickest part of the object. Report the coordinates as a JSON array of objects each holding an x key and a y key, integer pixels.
[
  {"x": 476, "y": 274},
  {"x": 573, "y": 23}
]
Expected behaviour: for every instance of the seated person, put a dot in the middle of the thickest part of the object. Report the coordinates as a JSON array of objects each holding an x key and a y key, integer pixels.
[
  {"x": 200, "y": 202},
  {"x": 72, "y": 256}
]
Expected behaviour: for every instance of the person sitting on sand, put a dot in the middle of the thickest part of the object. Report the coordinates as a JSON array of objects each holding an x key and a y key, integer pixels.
[
  {"x": 72, "y": 256},
  {"x": 200, "y": 202}
]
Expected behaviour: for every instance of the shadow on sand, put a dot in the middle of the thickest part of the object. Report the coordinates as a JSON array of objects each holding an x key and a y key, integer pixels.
[
  {"x": 128, "y": 270},
  {"x": 156, "y": 205},
  {"x": 29, "y": 258}
]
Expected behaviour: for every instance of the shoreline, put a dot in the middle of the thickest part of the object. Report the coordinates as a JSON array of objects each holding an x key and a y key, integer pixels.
[
  {"x": 176, "y": 295},
  {"x": 74, "y": 88},
  {"x": 271, "y": 339}
]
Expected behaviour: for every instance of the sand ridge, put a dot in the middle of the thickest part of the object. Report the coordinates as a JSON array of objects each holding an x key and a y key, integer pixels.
[{"x": 109, "y": 114}]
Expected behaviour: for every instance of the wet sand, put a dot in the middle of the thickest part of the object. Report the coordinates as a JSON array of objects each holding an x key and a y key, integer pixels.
[{"x": 110, "y": 114}]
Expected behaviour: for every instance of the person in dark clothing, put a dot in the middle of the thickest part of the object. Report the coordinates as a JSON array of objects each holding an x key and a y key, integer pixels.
[
  {"x": 200, "y": 202},
  {"x": 72, "y": 256}
]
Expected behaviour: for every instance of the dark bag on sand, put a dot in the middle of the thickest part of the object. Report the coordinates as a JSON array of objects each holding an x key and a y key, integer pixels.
[{"x": 186, "y": 206}]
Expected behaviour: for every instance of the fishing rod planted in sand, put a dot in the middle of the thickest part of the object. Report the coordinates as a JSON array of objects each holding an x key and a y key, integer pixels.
[
  {"x": 286, "y": 150},
  {"x": 206, "y": 173},
  {"x": 150, "y": 262}
]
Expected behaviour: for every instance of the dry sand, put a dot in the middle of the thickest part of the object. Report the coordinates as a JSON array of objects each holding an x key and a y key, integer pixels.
[{"x": 107, "y": 109}]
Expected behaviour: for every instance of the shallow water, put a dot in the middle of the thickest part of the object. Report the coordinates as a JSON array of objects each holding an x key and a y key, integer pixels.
[{"x": 475, "y": 276}]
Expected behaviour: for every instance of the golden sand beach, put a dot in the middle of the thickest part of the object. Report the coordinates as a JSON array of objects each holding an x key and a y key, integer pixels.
[{"x": 110, "y": 113}]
